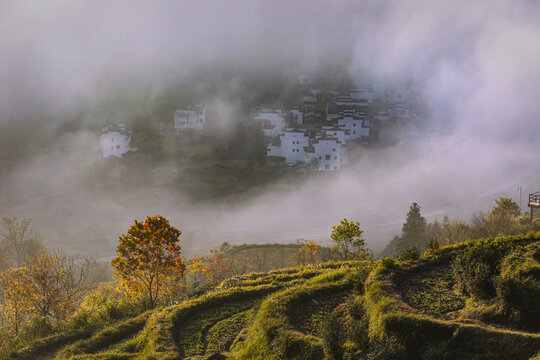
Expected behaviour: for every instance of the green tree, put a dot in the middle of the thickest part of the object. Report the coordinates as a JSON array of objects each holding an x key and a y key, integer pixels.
[
  {"x": 347, "y": 237},
  {"x": 507, "y": 207},
  {"x": 148, "y": 259},
  {"x": 414, "y": 229},
  {"x": 502, "y": 220}
]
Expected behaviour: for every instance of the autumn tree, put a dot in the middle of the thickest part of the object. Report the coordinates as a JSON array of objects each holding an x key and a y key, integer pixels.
[
  {"x": 197, "y": 266},
  {"x": 15, "y": 295},
  {"x": 218, "y": 266},
  {"x": 307, "y": 254},
  {"x": 148, "y": 260},
  {"x": 56, "y": 285},
  {"x": 17, "y": 238},
  {"x": 347, "y": 237}
]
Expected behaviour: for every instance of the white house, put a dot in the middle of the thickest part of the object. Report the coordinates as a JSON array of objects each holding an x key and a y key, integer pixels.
[
  {"x": 115, "y": 140},
  {"x": 274, "y": 148},
  {"x": 190, "y": 119},
  {"x": 272, "y": 121},
  {"x": 325, "y": 153},
  {"x": 292, "y": 144},
  {"x": 355, "y": 125},
  {"x": 338, "y": 132}
]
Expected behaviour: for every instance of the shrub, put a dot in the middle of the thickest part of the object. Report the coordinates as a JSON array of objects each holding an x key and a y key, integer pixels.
[
  {"x": 387, "y": 265},
  {"x": 410, "y": 253},
  {"x": 360, "y": 276},
  {"x": 518, "y": 287},
  {"x": 475, "y": 266}
]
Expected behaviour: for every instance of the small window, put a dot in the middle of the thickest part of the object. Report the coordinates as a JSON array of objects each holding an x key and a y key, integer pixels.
[
  {"x": 354, "y": 132},
  {"x": 354, "y": 124},
  {"x": 118, "y": 147},
  {"x": 320, "y": 157},
  {"x": 326, "y": 157},
  {"x": 334, "y": 150},
  {"x": 335, "y": 157}
]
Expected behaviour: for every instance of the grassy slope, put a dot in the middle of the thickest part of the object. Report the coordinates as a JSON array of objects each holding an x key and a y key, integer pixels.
[
  {"x": 193, "y": 329},
  {"x": 432, "y": 329},
  {"x": 411, "y": 311}
]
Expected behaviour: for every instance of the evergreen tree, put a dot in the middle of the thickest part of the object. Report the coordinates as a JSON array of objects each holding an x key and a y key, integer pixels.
[{"x": 414, "y": 229}]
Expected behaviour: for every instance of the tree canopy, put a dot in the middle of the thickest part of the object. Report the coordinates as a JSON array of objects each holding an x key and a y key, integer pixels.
[
  {"x": 148, "y": 260},
  {"x": 347, "y": 237}
]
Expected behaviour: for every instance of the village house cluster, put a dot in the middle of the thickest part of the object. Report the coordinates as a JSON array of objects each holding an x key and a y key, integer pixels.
[
  {"x": 315, "y": 134},
  {"x": 305, "y": 135}
]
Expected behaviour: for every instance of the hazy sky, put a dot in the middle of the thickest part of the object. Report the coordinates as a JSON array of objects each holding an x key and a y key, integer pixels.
[{"x": 478, "y": 63}]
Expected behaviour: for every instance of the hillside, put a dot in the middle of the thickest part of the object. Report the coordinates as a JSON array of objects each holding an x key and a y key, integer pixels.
[{"x": 475, "y": 300}]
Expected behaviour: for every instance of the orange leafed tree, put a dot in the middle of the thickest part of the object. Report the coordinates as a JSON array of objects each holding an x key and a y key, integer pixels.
[
  {"x": 218, "y": 267},
  {"x": 307, "y": 254},
  {"x": 148, "y": 260}
]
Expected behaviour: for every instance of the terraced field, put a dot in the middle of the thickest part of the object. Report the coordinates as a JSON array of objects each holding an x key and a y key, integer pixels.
[
  {"x": 432, "y": 292},
  {"x": 195, "y": 329},
  {"x": 355, "y": 310},
  {"x": 418, "y": 303}
]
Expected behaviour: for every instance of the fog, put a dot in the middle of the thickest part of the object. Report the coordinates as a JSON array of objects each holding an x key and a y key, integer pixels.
[{"x": 477, "y": 65}]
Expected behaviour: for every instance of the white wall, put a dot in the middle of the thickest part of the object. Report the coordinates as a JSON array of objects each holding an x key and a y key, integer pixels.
[
  {"x": 273, "y": 150},
  {"x": 356, "y": 131},
  {"x": 292, "y": 146},
  {"x": 339, "y": 134},
  {"x": 270, "y": 131},
  {"x": 273, "y": 118},
  {"x": 328, "y": 153},
  {"x": 190, "y": 119},
  {"x": 114, "y": 143}
]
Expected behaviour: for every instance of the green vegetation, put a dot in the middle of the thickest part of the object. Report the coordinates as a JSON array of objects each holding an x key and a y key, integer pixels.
[
  {"x": 417, "y": 233},
  {"x": 472, "y": 300}
]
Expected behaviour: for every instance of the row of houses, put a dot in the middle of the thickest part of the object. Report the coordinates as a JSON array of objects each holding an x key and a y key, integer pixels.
[
  {"x": 320, "y": 147},
  {"x": 322, "y": 142}
]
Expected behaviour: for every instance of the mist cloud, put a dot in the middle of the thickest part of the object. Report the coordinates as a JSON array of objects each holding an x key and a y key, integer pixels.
[{"x": 477, "y": 65}]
